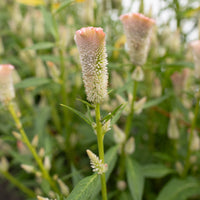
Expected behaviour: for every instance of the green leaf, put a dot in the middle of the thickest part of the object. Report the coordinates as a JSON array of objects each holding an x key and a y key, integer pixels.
[
  {"x": 110, "y": 115},
  {"x": 76, "y": 175},
  {"x": 41, "y": 45},
  {"x": 86, "y": 103},
  {"x": 63, "y": 5},
  {"x": 156, "y": 101},
  {"x": 135, "y": 178},
  {"x": 156, "y": 171},
  {"x": 118, "y": 114},
  {"x": 110, "y": 159},
  {"x": 50, "y": 22},
  {"x": 81, "y": 115},
  {"x": 177, "y": 189},
  {"x": 84, "y": 188},
  {"x": 32, "y": 82}
]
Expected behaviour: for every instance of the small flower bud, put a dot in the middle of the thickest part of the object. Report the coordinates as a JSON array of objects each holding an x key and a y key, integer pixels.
[
  {"x": 53, "y": 71},
  {"x": 119, "y": 135},
  {"x": 195, "y": 145},
  {"x": 64, "y": 188},
  {"x": 42, "y": 198},
  {"x": 41, "y": 152},
  {"x": 137, "y": 29},
  {"x": 4, "y": 165},
  {"x": 138, "y": 74},
  {"x": 173, "y": 131},
  {"x": 179, "y": 80},
  {"x": 157, "y": 87},
  {"x": 121, "y": 185},
  {"x": 35, "y": 141},
  {"x": 179, "y": 167},
  {"x": 91, "y": 46},
  {"x": 193, "y": 159},
  {"x": 138, "y": 105},
  {"x": 47, "y": 163},
  {"x": 96, "y": 163},
  {"x": 17, "y": 135},
  {"x": 28, "y": 168},
  {"x": 106, "y": 126},
  {"x": 7, "y": 91},
  {"x": 130, "y": 146}
]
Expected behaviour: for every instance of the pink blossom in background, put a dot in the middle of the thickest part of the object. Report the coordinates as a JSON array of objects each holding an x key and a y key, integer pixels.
[
  {"x": 6, "y": 83},
  {"x": 138, "y": 30},
  {"x": 91, "y": 45}
]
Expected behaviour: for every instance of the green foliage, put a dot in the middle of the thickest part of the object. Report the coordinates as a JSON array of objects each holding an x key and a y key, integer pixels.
[{"x": 135, "y": 179}]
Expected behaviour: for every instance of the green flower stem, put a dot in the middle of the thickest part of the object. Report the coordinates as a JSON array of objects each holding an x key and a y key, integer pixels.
[
  {"x": 30, "y": 147},
  {"x": 193, "y": 126},
  {"x": 100, "y": 137},
  {"x": 130, "y": 116},
  {"x": 18, "y": 184},
  {"x": 127, "y": 132}
]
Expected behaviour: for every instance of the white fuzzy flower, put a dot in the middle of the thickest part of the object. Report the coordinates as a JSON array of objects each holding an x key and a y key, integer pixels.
[
  {"x": 138, "y": 106},
  {"x": 130, "y": 146},
  {"x": 97, "y": 164},
  {"x": 91, "y": 46},
  {"x": 119, "y": 135},
  {"x": 137, "y": 29}
]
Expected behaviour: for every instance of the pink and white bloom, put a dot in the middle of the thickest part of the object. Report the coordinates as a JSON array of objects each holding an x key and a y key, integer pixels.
[
  {"x": 91, "y": 46},
  {"x": 195, "y": 46},
  {"x": 7, "y": 91},
  {"x": 138, "y": 30}
]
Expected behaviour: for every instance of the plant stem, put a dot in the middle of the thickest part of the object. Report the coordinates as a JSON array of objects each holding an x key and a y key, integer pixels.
[
  {"x": 26, "y": 141},
  {"x": 100, "y": 137},
  {"x": 127, "y": 132},
  {"x": 189, "y": 152},
  {"x": 130, "y": 116},
  {"x": 18, "y": 184}
]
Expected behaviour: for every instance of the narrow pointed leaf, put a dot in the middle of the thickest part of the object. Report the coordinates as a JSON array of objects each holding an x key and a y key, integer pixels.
[
  {"x": 81, "y": 115},
  {"x": 156, "y": 101},
  {"x": 62, "y": 6},
  {"x": 32, "y": 82},
  {"x": 156, "y": 171},
  {"x": 110, "y": 115},
  {"x": 84, "y": 188},
  {"x": 41, "y": 45},
  {"x": 118, "y": 114},
  {"x": 177, "y": 189},
  {"x": 135, "y": 179}
]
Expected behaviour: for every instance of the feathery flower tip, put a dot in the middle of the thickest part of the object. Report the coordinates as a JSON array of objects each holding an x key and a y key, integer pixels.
[
  {"x": 137, "y": 29},
  {"x": 91, "y": 45},
  {"x": 6, "y": 82}
]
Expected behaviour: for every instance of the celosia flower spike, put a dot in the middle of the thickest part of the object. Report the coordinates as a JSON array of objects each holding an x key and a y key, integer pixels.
[
  {"x": 91, "y": 46},
  {"x": 137, "y": 29},
  {"x": 7, "y": 91},
  {"x": 97, "y": 164}
]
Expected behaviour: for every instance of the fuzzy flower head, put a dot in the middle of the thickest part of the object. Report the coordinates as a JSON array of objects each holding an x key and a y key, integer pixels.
[
  {"x": 137, "y": 29},
  {"x": 97, "y": 164},
  {"x": 91, "y": 46},
  {"x": 195, "y": 46},
  {"x": 7, "y": 91}
]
